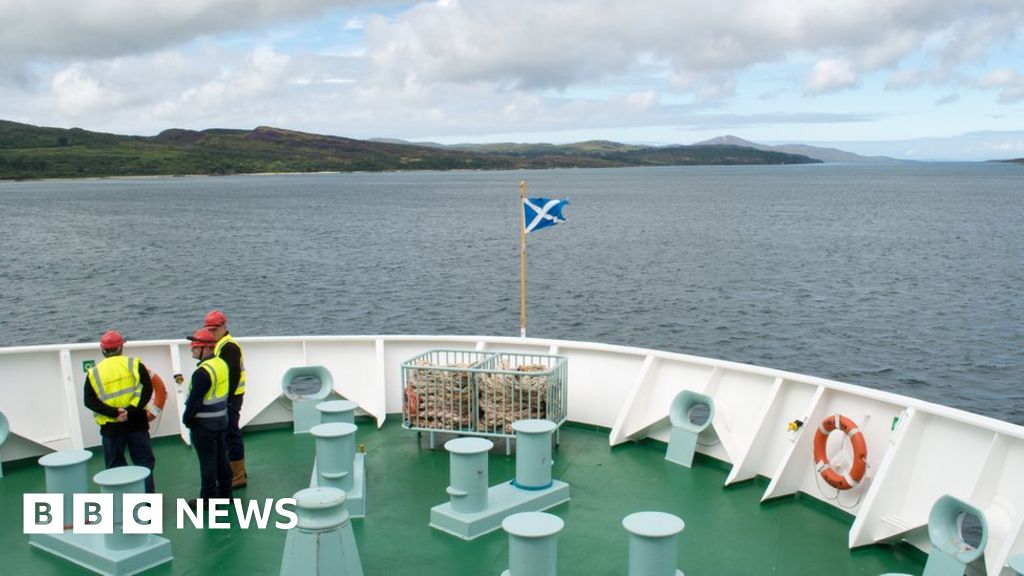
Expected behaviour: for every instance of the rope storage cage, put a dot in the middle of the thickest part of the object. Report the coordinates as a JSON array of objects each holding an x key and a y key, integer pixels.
[{"x": 482, "y": 392}]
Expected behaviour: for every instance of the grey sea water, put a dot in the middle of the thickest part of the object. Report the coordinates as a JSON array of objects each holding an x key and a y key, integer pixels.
[{"x": 900, "y": 277}]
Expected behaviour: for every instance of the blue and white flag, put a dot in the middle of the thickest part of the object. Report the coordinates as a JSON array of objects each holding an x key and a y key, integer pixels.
[{"x": 542, "y": 212}]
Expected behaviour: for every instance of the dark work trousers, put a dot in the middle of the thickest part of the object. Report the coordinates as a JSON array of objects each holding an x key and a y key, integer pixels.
[
  {"x": 139, "y": 448},
  {"x": 214, "y": 470},
  {"x": 236, "y": 449}
]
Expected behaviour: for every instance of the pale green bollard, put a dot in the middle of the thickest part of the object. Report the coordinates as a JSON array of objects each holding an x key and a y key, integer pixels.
[
  {"x": 468, "y": 474},
  {"x": 115, "y": 553},
  {"x": 533, "y": 453},
  {"x": 474, "y": 508},
  {"x": 335, "y": 454},
  {"x": 322, "y": 542},
  {"x": 66, "y": 473},
  {"x": 652, "y": 543},
  {"x": 337, "y": 411},
  {"x": 532, "y": 544},
  {"x": 120, "y": 481}
]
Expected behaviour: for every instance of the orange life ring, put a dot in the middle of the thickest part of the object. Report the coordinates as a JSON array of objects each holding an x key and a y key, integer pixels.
[
  {"x": 156, "y": 404},
  {"x": 835, "y": 479}
]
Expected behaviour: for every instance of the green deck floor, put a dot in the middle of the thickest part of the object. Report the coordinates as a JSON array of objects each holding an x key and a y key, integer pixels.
[{"x": 728, "y": 531}]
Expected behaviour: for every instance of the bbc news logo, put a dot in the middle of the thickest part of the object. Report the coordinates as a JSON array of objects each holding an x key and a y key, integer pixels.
[{"x": 144, "y": 513}]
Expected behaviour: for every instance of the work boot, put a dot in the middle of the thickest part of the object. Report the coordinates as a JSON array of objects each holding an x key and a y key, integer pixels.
[{"x": 238, "y": 476}]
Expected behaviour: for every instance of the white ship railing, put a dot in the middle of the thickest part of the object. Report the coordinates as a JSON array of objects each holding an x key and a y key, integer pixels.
[{"x": 917, "y": 451}]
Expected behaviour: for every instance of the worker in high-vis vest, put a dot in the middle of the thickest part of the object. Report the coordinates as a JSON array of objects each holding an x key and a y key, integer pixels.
[
  {"x": 117, "y": 391},
  {"x": 206, "y": 416},
  {"x": 227, "y": 349}
]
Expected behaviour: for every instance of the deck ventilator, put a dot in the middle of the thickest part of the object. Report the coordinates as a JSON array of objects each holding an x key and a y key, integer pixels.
[
  {"x": 306, "y": 386},
  {"x": 5, "y": 429},
  {"x": 690, "y": 414}
]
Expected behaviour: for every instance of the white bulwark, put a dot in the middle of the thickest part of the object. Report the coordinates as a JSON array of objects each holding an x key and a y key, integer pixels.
[{"x": 916, "y": 451}]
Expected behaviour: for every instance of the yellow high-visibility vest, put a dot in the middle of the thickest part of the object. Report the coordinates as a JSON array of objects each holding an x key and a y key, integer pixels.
[
  {"x": 116, "y": 383},
  {"x": 215, "y": 401},
  {"x": 241, "y": 361}
]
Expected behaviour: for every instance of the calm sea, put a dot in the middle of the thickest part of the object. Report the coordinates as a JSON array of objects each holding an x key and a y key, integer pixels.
[{"x": 905, "y": 277}]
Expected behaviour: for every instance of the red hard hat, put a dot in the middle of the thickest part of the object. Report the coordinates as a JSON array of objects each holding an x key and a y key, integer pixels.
[
  {"x": 111, "y": 340},
  {"x": 215, "y": 318},
  {"x": 203, "y": 337}
]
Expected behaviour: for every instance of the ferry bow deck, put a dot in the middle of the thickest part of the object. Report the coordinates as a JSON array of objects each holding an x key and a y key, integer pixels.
[{"x": 728, "y": 530}]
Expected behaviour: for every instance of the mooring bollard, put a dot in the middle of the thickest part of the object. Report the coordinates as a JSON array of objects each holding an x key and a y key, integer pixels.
[
  {"x": 533, "y": 453},
  {"x": 120, "y": 481},
  {"x": 322, "y": 542},
  {"x": 474, "y": 508},
  {"x": 66, "y": 473},
  {"x": 652, "y": 543},
  {"x": 102, "y": 552},
  {"x": 468, "y": 474},
  {"x": 532, "y": 543},
  {"x": 337, "y": 411},
  {"x": 335, "y": 454}
]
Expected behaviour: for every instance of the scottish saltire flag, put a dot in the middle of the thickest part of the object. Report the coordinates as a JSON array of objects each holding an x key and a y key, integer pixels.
[{"x": 542, "y": 212}]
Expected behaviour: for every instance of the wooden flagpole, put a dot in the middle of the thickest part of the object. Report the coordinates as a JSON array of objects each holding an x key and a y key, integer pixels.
[{"x": 522, "y": 259}]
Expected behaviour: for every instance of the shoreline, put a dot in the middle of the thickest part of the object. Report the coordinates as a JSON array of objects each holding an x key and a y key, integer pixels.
[{"x": 459, "y": 170}]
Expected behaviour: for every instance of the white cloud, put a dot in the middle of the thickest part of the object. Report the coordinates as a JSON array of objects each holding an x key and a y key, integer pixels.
[
  {"x": 704, "y": 86},
  {"x": 1009, "y": 83},
  {"x": 831, "y": 75},
  {"x": 906, "y": 79},
  {"x": 110, "y": 28},
  {"x": 77, "y": 93},
  {"x": 484, "y": 66},
  {"x": 642, "y": 100},
  {"x": 538, "y": 44},
  {"x": 890, "y": 49}
]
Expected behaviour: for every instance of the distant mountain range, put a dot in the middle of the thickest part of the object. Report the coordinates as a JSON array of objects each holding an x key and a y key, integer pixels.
[
  {"x": 823, "y": 154},
  {"x": 814, "y": 152},
  {"x": 28, "y": 151}
]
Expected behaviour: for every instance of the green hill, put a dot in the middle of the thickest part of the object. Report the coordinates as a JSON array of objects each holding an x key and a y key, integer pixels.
[{"x": 38, "y": 152}]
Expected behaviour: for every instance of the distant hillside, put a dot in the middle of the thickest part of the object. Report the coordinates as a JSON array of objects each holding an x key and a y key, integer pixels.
[
  {"x": 632, "y": 154},
  {"x": 823, "y": 154},
  {"x": 577, "y": 149},
  {"x": 38, "y": 152}
]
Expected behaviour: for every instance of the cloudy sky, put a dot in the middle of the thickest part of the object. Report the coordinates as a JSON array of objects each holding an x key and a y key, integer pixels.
[{"x": 924, "y": 79}]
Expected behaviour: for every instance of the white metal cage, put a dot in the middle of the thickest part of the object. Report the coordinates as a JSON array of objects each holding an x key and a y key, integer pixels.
[{"x": 482, "y": 393}]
